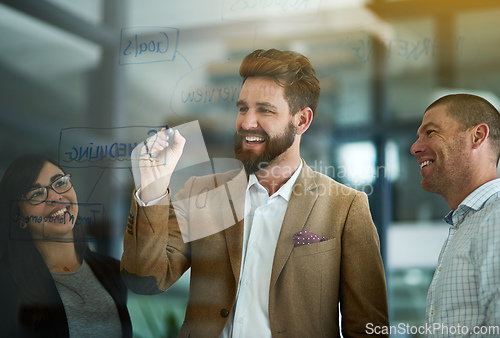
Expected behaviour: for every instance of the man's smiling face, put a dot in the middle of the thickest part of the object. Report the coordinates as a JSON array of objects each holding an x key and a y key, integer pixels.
[
  {"x": 264, "y": 126},
  {"x": 443, "y": 151}
]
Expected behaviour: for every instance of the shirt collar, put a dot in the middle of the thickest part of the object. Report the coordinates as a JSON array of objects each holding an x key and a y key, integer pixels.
[
  {"x": 285, "y": 190},
  {"x": 474, "y": 201}
]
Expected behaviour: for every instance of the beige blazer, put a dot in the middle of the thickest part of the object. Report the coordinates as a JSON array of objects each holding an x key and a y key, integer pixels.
[{"x": 307, "y": 283}]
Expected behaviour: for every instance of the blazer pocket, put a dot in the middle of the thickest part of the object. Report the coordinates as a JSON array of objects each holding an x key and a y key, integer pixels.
[{"x": 315, "y": 248}]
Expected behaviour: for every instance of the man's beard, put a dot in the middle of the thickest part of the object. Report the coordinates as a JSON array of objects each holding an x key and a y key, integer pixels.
[{"x": 274, "y": 147}]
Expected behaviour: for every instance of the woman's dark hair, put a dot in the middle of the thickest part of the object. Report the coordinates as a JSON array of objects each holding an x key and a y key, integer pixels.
[{"x": 17, "y": 249}]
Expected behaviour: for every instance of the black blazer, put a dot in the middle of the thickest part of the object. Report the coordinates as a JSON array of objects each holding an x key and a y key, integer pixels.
[{"x": 16, "y": 316}]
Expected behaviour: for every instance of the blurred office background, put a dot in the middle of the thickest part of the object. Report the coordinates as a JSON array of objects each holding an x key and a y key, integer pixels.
[{"x": 97, "y": 69}]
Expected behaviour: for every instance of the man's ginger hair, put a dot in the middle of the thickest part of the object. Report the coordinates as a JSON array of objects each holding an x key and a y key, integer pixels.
[{"x": 290, "y": 70}]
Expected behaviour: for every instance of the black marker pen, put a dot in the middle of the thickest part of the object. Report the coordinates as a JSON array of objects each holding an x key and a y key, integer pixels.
[{"x": 169, "y": 131}]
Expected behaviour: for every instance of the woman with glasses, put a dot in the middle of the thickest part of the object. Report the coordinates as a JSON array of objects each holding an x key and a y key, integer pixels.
[{"x": 51, "y": 283}]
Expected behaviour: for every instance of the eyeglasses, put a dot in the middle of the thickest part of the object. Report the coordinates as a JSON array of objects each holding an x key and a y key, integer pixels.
[{"x": 40, "y": 195}]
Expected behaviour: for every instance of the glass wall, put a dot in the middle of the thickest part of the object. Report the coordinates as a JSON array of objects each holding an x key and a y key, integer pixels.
[{"x": 84, "y": 74}]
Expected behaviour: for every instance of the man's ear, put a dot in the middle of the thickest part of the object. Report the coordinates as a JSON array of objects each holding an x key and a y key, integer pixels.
[
  {"x": 303, "y": 120},
  {"x": 480, "y": 133}
]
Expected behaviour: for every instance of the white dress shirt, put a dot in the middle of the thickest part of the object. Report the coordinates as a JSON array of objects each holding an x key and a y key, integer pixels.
[
  {"x": 150, "y": 203},
  {"x": 262, "y": 225}
]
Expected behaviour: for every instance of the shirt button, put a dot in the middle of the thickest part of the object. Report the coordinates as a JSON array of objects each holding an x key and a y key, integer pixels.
[
  {"x": 432, "y": 312},
  {"x": 254, "y": 244},
  {"x": 224, "y": 313},
  {"x": 240, "y": 320},
  {"x": 440, "y": 268}
]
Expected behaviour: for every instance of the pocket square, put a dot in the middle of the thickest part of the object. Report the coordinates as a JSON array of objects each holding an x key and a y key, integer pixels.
[{"x": 306, "y": 237}]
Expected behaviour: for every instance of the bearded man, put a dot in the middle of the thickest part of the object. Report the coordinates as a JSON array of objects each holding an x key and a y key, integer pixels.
[{"x": 306, "y": 248}]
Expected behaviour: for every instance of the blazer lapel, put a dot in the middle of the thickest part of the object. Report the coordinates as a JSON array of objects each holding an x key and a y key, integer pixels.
[
  {"x": 233, "y": 234},
  {"x": 234, "y": 239},
  {"x": 302, "y": 199}
]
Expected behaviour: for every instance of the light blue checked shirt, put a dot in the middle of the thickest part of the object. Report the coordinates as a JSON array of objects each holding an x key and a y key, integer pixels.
[{"x": 464, "y": 295}]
